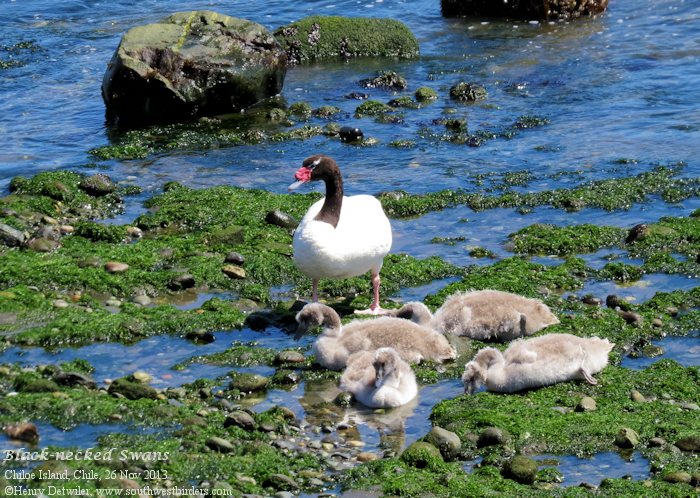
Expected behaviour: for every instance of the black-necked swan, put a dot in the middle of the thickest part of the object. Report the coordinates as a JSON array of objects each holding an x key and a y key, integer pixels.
[
  {"x": 337, "y": 342},
  {"x": 379, "y": 379},
  {"x": 487, "y": 315},
  {"x": 536, "y": 362},
  {"x": 339, "y": 236}
]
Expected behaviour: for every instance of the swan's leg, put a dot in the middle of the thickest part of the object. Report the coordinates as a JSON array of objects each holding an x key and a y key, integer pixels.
[
  {"x": 586, "y": 375},
  {"x": 314, "y": 290},
  {"x": 374, "y": 308}
]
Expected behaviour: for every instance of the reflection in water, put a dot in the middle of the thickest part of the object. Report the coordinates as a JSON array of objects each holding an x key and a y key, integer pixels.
[
  {"x": 684, "y": 350},
  {"x": 601, "y": 466}
]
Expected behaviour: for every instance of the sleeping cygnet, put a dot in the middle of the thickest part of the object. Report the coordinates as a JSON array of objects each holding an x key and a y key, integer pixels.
[
  {"x": 484, "y": 315},
  {"x": 537, "y": 362},
  {"x": 336, "y": 343},
  {"x": 379, "y": 379}
]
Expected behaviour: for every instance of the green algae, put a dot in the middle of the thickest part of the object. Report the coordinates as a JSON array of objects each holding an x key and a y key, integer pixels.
[
  {"x": 323, "y": 37},
  {"x": 425, "y": 94},
  {"x": 373, "y": 108},
  {"x": 567, "y": 240},
  {"x": 610, "y": 194}
]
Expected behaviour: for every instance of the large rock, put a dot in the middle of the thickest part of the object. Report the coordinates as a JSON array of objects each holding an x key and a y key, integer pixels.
[
  {"x": 321, "y": 37},
  {"x": 523, "y": 9},
  {"x": 191, "y": 64}
]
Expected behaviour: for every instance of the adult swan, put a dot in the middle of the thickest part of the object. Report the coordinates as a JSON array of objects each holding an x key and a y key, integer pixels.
[{"x": 339, "y": 237}]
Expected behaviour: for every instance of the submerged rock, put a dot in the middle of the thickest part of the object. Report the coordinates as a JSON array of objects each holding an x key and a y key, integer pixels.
[
  {"x": 97, "y": 185},
  {"x": 23, "y": 432},
  {"x": 191, "y": 64},
  {"x": 524, "y": 9},
  {"x": 321, "y": 37}
]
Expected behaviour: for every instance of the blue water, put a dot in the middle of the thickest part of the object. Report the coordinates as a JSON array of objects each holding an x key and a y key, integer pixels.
[{"x": 622, "y": 85}]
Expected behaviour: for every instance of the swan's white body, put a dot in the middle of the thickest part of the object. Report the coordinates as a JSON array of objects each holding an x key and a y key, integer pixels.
[
  {"x": 379, "y": 379},
  {"x": 355, "y": 246},
  {"x": 336, "y": 343},
  {"x": 487, "y": 315},
  {"x": 339, "y": 237},
  {"x": 537, "y": 362}
]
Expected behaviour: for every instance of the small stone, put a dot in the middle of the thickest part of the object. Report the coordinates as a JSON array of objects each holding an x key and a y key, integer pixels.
[
  {"x": 181, "y": 282},
  {"x": 691, "y": 443},
  {"x": 234, "y": 258},
  {"x": 491, "y": 436},
  {"x": 11, "y": 236},
  {"x": 637, "y": 232},
  {"x": 134, "y": 232},
  {"x": 281, "y": 481},
  {"x": 521, "y": 469},
  {"x": 350, "y": 134},
  {"x": 23, "y": 432},
  {"x": 240, "y": 419},
  {"x": 627, "y": 438},
  {"x": 113, "y": 302},
  {"x": 356, "y": 444},
  {"x": 43, "y": 244},
  {"x": 67, "y": 229},
  {"x": 233, "y": 271},
  {"x": 446, "y": 441},
  {"x": 657, "y": 442},
  {"x": 678, "y": 477},
  {"x": 591, "y": 300},
  {"x": 132, "y": 390},
  {"x": 614, "y": 301},
  {"x": 281, "y": 219},
  {"x": 201, "y": 336},
  {"x": 73, "y": 379},
  {"x": 637, "y": 397},
  {"x": 97, "y": 185},
  {"x": 60, "y": 303},
  {"x": 367, "y": 456},
  {"x": 686, "y": 405},
  {"x": 421, "y": 455},
  {"x": 141, "y": 299},
  {"x": 219, "y": 444},
  {"x": 290, "y": 357},
  {"x": 672, "y": 310},
  {"x": 142, "y": 377},
  {"x": 587, "y": 404},
  {"x": 247, "y": 382},
  {"x": 90, "y": 262},
  {"x": 630, "y": 317},
  {"x": 116, "y": 267},
  {"x": 357, "y": 96},
  {"x": 695, "y": 479},
  {"x": 49, "y": 220}
]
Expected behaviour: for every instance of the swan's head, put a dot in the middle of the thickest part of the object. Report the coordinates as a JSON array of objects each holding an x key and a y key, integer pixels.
[
  {"x": 314, "y": 314},
  {"x": 313, "y": 168},
  {"x": 385, "y": 364},
  {"x": 473, "y": 377}
]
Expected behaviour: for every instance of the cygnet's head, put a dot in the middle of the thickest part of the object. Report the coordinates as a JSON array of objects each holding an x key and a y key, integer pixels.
[
  {"x": 474, "y": 377},
  {"x": 311, "y": 315},
  {"x": 414, "y": 311},
  {"x": 385, "y": 363}
]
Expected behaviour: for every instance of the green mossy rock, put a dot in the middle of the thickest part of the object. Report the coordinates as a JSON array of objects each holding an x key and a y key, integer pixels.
[
  {"x": 323, "y": 37},
  {"x": 132, "y": 390},
  {"x": 522, "y": 469},
  {"x": 526, "y": 9},
  {"x": 197, "y": 63},
  {"x": 422, "y": 455}
]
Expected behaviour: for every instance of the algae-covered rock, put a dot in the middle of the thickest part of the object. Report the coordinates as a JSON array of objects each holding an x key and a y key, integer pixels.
[
  {"x": 468, "y": 92},
  {"x": 322, "y": 37},
  {"x": 132, "y": 390},
  {"x": 191, "y": 64},
  {"x": 10, "y": 236},
  {"x": 627, "y": 438},
  {"x": 446, "y": 441},
  {"x": 521, "y": 469},
  {"x": 523, "y": 9},
  {"x": 422, "y": 455}
]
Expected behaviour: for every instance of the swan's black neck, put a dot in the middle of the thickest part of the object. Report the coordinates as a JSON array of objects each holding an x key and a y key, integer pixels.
[{"x": 330, "y": 211}]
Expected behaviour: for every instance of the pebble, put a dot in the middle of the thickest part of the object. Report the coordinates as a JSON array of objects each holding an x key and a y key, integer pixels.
[
  {"x": 678, "y": 477},
  {"x": 281, "y": 219},
  {"x": 289, "y": 357},
  {"x": 181, "y": 282},
  {"x": 637, "y": 397},
  {"x": 116, "y": 267},
  {"x": 356, "y": 444},
  {"x": 234, "y": 271},
  {"x": 67, "y": 229},
  {"x": 491, "y": 436},
  {"x": 134, "y": 232},
  {"x": 367, "y": 456},
  {"x": 113, "y": 302},
  {"x": 627, "y": 438},
  {"x": 11, "y": 236},
  {"x": 219, "y": 444},
  {"x": 657, "y": 442},
  {"x": 23, "y": 432},
  {"x": 142, "y": 299},
  {"x": 687, "y": 405},
  {"x": 42, "y": 244},
  {"x": 240, "y": 419},
  {"x": 446, "y": 441},
  {"x": 234, "y": 258},
  {"x": 142, "y": 377},
  {"x": 587, "y": 404},
  {"x": 690, "y": 443},
  {"x": 60, "y": 303},
  {"x": 97, "y": 185}
]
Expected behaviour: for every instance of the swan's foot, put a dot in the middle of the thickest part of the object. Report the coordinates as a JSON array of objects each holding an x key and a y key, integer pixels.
[{"x": 586, "y": 375}]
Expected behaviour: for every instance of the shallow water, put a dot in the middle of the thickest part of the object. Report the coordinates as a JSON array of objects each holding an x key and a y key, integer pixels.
[
  {"x": 593, "y": 470},
  {"x": 623, "y": 85}
]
